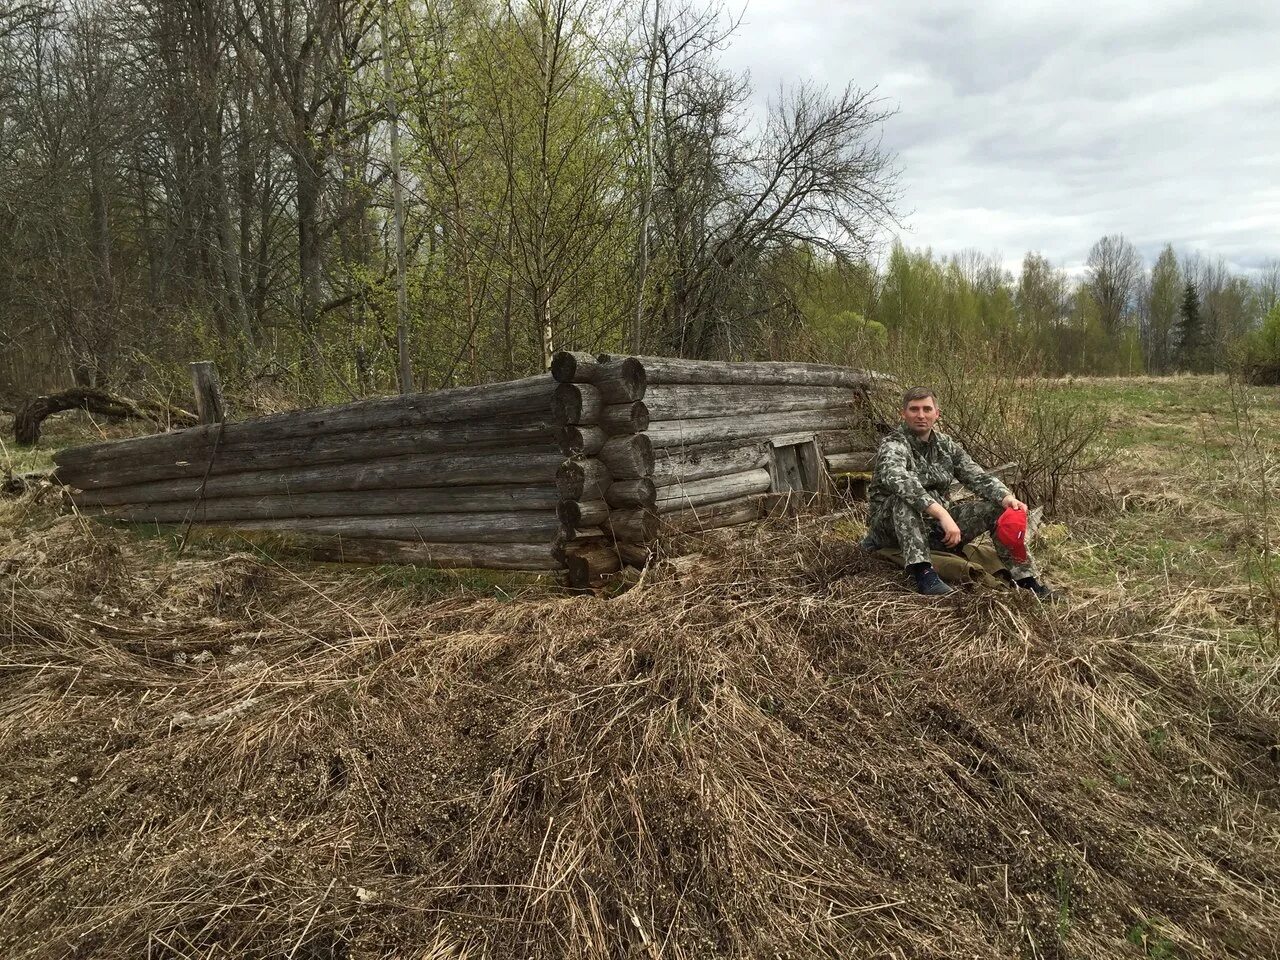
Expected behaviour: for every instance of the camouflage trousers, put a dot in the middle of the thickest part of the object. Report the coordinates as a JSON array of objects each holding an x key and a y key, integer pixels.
[{"x": 900, "y": 524}]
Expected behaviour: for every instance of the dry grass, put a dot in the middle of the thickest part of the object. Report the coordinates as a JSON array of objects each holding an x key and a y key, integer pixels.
[{"x": 771, "y": 751}]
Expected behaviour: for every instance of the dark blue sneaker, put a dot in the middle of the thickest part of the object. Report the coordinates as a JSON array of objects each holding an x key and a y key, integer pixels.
[{"x": 929, "y": 583}]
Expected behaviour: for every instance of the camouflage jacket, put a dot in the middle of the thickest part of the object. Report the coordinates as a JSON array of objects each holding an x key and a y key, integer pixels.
[{"x": 922, "y": 472}]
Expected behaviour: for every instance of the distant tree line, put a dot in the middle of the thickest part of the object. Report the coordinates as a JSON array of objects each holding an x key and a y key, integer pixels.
[
  {"x": 1119, "y": 315},
  {"x": 344, "y": 197}
]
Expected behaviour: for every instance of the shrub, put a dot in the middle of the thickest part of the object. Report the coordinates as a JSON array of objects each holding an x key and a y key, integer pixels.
[
  {"x": 1261, "y": 360},
  {"x": 994, "y": 403}
]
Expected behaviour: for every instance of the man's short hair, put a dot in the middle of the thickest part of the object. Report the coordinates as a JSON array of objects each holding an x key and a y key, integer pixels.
[{"x": 918, "y": 393}]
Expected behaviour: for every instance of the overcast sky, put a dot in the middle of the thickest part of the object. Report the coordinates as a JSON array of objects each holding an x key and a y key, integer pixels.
[{"x": 1026, "y": 125}]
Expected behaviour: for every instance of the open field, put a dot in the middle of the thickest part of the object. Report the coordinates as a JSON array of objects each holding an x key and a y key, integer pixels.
[{"x": 769, "y": 749}]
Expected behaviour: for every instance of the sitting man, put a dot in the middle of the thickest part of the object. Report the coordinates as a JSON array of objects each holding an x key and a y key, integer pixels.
[{"x": 915, "y": 468}]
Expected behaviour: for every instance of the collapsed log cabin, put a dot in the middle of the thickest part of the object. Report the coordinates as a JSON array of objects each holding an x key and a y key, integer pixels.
[{"x": 579, "y": 471}]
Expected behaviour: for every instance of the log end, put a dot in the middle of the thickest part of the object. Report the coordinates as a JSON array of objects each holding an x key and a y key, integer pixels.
[
  {"x": 570, "y": 367},
  {"x": 631, "y": 371},
  {"x": 576, "y": 440},
  {"x": 587, "y": 563}
]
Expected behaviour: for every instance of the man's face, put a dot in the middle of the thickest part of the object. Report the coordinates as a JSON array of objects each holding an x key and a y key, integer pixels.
[{"x": 920, "y": 416}]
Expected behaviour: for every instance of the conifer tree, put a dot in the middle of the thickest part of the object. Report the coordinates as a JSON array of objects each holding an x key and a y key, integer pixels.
[{"x": 1190, "y": 329}]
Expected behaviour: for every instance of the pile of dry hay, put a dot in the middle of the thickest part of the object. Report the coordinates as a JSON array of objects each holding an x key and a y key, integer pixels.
[{"x": 775, "y": 751}]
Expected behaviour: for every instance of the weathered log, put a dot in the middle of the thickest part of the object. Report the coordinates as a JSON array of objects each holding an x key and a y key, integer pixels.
[
  {"x": 207, "y": 387},
  {"x": 530, "y": 395},
  {"x": 666, "y": 433},
  {"x": 528, "y": 432},
  {"x": 588, "y": 562},
  {"x": 638, "y": 525},
  {"x": 621, "y": 380},
  {"x": 569, "y": 367},
  {"x": 731, "y": 513},
  {"x": 482, "y": 499},
  {"x": 637, "y": 492},
  {"x": 628, "y": 457},
  {"x": 683, "y": 464},
  {"x": 570, "y": 534},
  {"x": 694, "y": 401},
  {"x": 31, "y": 413},
  {"x": 623, "y": 418},
  {"x": 576, "y": 403},
  {"x": 585, "y": 479},
  {"x": 577, "y": 441},
  {"x": 847, "y": 441},
  {"x": 489, "y": 556},
  {"x": 666, "y": 370},
  {"x": 856, "y": 461},
  {"x": 634, "y": 554},
  {"x": 526, "y": 526},
  {"x": 398, "y": 473},
  {"x": 582, "y": 513},
  {"x": 713, "y": 490}
]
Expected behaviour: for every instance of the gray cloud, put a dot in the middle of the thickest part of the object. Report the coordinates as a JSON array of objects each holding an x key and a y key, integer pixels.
[{"x": 1042, "y": 126}]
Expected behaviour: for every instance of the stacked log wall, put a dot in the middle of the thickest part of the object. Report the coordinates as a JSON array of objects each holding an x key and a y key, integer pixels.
[
  {"x": 610, "y": 480},
  {"x": 578, "y": 470},
  {"x": 462, "y": 477},
  {"x": 713, "y": 426}
]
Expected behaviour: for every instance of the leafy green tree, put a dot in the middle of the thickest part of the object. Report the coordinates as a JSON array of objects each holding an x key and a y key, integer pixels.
[
  {"x": 1163, "y": 310},
  {"x": 1040, "y": 295}
]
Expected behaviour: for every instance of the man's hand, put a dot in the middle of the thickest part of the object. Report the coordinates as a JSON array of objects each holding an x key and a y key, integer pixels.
[
  {"x": 1010, "y": 502},
  {"x": 950, "y": 532}
]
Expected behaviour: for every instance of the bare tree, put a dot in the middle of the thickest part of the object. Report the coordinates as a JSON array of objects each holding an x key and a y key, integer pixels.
[{"x": 1112, "y": 273}]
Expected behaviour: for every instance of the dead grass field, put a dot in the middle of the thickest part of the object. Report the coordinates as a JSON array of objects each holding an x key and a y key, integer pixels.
[{"x": 770, "y": 749}]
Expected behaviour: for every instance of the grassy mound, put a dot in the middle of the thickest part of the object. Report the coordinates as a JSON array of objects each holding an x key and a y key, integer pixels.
[{"x": 772, "y": 750}]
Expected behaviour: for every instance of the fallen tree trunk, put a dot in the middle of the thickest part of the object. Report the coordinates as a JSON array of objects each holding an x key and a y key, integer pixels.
[
  {"x": 432, "y": 470},
  {"x": 686, "y": 402},
  {"x": 206, "y": 456},
  {"x": 531, "y": 395},
  {"x": 31, "y": 413},
  {"x": 668, "y": 433},
  {"x": 713, "y": 490},
  {"x": 482, "y": 499}
]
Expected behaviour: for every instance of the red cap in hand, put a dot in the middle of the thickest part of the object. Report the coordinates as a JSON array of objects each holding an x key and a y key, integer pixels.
[{"x": 1011, "y": 530}]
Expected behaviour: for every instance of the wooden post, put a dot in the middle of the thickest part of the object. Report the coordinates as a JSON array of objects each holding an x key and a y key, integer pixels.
[{"x": 210, "y": 407}]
